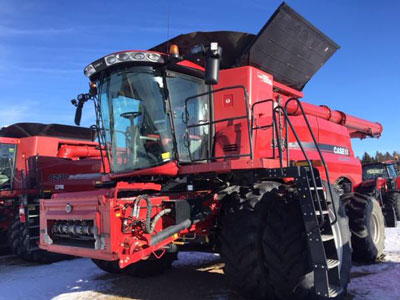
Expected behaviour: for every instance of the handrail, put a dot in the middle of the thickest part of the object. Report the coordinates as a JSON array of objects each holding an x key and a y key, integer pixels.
[
  {"x": 318, "y": 149},
  {"x": 265, "y": 126},
  {"x": 283, "y": 110},
  {"x": 211, "y": 122}
]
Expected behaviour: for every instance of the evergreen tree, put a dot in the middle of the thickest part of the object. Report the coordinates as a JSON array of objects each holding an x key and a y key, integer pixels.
[
  {"x": 366, "y": 158},
  {"x": 379, "y": 157},
  {"x": 388, "y": 156}
]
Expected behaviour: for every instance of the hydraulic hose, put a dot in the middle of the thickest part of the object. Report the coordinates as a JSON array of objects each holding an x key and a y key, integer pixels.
[
  {"x": 135, "y": 211},
  {"x": 158, "y": 217},
  {"x": 170, "y": 231}
]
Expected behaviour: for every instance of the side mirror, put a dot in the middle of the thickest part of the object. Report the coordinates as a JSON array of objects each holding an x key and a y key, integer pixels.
[
  {"x": 212, "y": 56},
  {"x": 82, "y": 98},
  {"x": 78, "y": 113},
  {"x": 212, "y": 65}
]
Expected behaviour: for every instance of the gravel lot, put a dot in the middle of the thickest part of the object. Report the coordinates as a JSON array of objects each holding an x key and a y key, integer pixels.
[{"x": 193, "y": 276}]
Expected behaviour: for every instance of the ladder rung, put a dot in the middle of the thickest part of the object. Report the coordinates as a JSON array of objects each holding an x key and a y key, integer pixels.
[
  {"x": 334, "y": 291},
  {"x": 318, "y": 213},
  {"x": 33, "y": 216},
  {"x": 319, "y": 188},
  {"x": 332, "y": 263},
  {"x": 34, "y": 238},
  {"x": 327, "y": 237},
  {"x": 33, "y": 226}
]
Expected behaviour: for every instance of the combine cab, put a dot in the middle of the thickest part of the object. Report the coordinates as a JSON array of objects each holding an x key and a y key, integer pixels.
[
  {"x": 213, "y": 150},
  {"x": 37, "y": 161}
]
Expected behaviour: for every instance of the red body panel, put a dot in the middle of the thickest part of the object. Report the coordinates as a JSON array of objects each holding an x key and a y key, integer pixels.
[
  {"x": 46, "y": 165},
  {"x": 107, "y": 214}
]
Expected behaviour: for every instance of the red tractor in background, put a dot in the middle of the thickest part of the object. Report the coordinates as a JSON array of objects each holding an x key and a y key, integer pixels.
[
  {"x": 216, "y": 152},
  {"x": 382, "y": 179},
  {"x": 37, "y": 161}
]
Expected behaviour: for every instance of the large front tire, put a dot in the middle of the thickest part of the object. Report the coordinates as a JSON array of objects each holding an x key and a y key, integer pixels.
[
  {"x": 367, "y": 226},
  {"x": 108, "y": 266},
  {"x": 393, "y": 199},
  {"x": 265, "y": 249},
  {"x": 19, "y": 238}
]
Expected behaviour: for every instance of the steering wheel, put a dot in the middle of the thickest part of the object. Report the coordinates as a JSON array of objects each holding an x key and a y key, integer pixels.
[{"x": 131, "y": 114}]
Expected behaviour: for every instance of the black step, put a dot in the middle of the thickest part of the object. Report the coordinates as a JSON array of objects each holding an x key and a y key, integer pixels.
[
  {"x": 334, "y": 291},
  {"x": 327, "y": 237},
  {"x": 332, "y": 263}
]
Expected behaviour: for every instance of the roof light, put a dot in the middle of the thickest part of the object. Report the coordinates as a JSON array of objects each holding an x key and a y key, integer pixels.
[
  {"x": 111, "y": 60},
  {"x": 89, "y": 70},
  {"x": 138, "y": 56},
  {"x": 122, "y": 57},
  {"x": 174, "y": 50},
  {"x": 153, "y": 57}
]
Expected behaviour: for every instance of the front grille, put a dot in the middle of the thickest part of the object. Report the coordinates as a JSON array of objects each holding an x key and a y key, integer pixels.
[{"x": 77, "y": 233}]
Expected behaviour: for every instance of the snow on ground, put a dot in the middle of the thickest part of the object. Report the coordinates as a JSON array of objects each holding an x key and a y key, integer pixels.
[
  {"x": 81, "y": 279},
  {"x": 194, "y": 276},
  {"x": 380, "y": 281}
]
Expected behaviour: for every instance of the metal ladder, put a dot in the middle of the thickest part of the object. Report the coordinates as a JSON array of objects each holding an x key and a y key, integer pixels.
[
  {"x": 32, "y": 225},
  {"x": 320, "y": 237},
  {"x": 314, "y": 204}
]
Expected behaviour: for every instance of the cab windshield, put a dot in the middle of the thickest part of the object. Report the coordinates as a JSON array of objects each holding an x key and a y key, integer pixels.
[
  {"x": 137, "y": 128},
  {"x": 7, "y": 160},
  {"x": 374, "y": 171},
  {"x": 134, "y": 109}
]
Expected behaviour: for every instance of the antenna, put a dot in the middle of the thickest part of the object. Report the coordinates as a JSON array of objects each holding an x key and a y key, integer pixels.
[{"x": 168, "y": 22}]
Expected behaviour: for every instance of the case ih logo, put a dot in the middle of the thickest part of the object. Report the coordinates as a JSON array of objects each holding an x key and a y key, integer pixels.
[
  {"x": 341, "y": 150},
  {"x": 57, "y": 177},
  {"x": 323, "y": 147}
]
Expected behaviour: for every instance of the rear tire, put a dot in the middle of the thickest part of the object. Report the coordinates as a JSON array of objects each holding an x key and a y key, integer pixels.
[
  {"x": 18, "y": 236},
  {"x": 265, "y": 249},
  {"x": 367, "y": 226},
  {"x": 393, "y": 199}
]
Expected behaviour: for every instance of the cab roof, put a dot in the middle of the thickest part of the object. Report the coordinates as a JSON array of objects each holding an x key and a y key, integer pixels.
[{"x": 22, "y": 130}]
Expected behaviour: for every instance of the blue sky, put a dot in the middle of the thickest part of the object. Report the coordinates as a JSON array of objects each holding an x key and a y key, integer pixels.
[{"x": 44, "y": 46}]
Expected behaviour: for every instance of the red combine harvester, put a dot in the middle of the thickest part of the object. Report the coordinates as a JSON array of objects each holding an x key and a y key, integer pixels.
[
  {"x": 37, "y": 161},
  {"x": 222, "y": 160}
]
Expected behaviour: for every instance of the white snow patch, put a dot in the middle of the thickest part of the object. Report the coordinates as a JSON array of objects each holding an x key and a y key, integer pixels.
[
  {"x": 380, "y": 281},
  {"x": 30, "y": 281}
]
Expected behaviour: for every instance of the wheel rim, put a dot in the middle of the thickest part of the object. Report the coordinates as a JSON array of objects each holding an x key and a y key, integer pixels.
[
  {"x": 376, "y": 235},
  {"x": 338, "y": 237}
]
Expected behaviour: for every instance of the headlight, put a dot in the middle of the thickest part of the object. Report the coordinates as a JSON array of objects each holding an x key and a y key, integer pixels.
[
  {"x": 138, "y": 56},
  {"x": 122, "y": 57},
  {"x": 111, "y": 60},
  {"x": 89, "y": 70},
  {"x": 153, "y": 57}
]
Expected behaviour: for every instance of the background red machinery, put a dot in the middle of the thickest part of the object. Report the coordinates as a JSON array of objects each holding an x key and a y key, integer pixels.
[
  {"x": 36, "y": 161},
  {"x": 382, "y": 180},
  {"x": 243, "y": 168}
]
